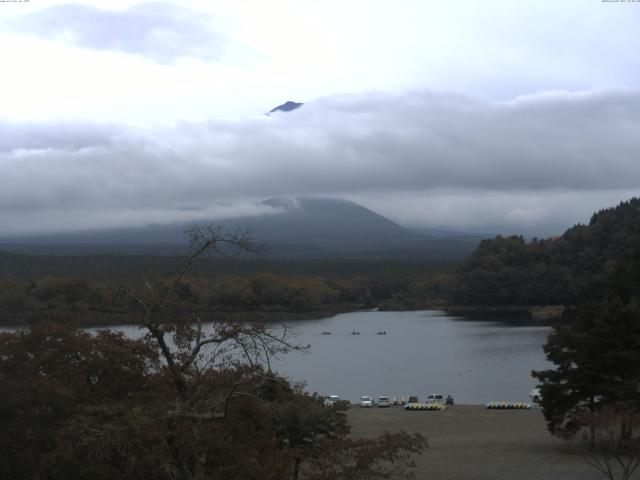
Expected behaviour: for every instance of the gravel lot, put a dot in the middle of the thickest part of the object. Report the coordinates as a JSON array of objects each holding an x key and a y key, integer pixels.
[{"x": 469, "y": 442}]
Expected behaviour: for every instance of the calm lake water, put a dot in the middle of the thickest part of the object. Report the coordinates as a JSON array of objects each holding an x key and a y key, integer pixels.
[{"x": 423, "y": 352}]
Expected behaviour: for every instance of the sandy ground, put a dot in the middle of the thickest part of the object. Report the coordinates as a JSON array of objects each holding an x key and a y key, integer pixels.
[{"x": 472, "y": 443}]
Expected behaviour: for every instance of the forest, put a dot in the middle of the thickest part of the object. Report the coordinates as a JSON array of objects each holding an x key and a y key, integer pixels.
[
  {"x": 586, "y": 262},
  {"x": 84, "y": 287}
]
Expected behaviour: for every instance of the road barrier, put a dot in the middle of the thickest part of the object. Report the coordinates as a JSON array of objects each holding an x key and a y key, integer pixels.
[
  {"x": 508, "y": 405},
  {"x": 425, "y": 406}
]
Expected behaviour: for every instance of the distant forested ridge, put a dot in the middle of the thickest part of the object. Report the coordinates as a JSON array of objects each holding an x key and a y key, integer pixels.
[
  {"x": 82, "y": 287},
  {"x": 586, "y": 262}
]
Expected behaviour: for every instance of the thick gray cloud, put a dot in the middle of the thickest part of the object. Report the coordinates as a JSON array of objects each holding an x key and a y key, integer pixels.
[
  {"x": 159, "y": 31},
  {"x": 424, "y": 158}
]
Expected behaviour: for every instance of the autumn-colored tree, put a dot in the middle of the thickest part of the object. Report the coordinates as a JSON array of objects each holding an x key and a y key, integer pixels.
[
  {"x": 53, "y": 374},
  {"x": 75, "y": 405},
  {"x": 186, "y": 401}
]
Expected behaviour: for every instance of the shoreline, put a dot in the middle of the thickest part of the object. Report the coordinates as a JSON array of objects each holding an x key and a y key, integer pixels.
[
  {"x": 537, "y": 315},
  {"x": 251, "y": 315}
]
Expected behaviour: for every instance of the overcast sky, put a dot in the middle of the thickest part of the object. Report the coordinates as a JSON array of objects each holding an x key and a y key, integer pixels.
[{"x": 517, "y": 117}]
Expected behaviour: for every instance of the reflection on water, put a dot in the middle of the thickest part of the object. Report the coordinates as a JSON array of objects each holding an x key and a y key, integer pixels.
[{"x": 423, "y": 352}]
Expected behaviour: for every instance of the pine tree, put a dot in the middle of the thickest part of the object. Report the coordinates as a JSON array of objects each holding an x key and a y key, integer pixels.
[{"x": 597, "y": 359}]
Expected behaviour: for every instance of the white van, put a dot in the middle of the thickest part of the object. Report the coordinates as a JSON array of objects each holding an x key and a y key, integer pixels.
[{"x": 436, "y": 398}]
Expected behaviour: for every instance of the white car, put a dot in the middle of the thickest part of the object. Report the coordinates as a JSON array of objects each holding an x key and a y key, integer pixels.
[
  {"x": 535, "y": 395},
  {"x": 435, "y": 398},
  {"x": 383, "y": 401},
  {"x": 331, "y": 400},
  {"x": 366, "y": 401}
]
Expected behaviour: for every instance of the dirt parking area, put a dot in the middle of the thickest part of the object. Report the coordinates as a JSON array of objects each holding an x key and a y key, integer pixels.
[{"x": 469, "y": 442}]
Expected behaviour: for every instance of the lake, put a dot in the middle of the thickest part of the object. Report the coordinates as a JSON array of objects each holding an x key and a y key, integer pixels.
[{"x": 422, "y": 352}]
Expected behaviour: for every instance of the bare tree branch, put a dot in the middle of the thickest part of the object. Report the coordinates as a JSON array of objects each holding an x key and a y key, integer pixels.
[{"x": 189, "y": 342}]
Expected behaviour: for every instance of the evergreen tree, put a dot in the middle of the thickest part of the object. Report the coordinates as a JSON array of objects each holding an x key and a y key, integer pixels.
[
  {"x": 597, "y": 359},
  {"x": 586, "y": 262}
]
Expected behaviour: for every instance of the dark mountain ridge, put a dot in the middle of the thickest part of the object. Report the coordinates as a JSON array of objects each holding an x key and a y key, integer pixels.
[{"x": 297, "y": 228}]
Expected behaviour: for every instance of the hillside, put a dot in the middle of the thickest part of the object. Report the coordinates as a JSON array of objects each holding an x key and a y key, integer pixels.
[
  {"x": 297, "y": 228},
  {"x": 586, "y": 262},
  {"x": 333, "y": 225}
]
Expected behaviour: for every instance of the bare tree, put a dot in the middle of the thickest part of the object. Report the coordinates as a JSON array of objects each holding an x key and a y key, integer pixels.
[
  {"x": 188, "y": 349},
  {"x": 612, "y": 442}
]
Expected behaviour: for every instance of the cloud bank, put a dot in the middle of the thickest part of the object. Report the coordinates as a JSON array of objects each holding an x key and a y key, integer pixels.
[
  {"x": 536, "y": 163},
  {"x": 158, "y": 31}
]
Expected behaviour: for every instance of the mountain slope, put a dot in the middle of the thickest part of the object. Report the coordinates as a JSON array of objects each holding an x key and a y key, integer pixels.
[
  {"x": 302, "y": 227},
  {"x": 329, "y": 223}
]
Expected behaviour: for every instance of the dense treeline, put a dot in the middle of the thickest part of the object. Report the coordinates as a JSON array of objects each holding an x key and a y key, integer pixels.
[
  {"x": 592, "y": 391},
  {"x": 93, "y": 303},
  {"x": 82, "y": 285},
  {"x": 120, "y": 267},
  {"x": 587, "y": 262},
  {"x": 267, "y": 296}
]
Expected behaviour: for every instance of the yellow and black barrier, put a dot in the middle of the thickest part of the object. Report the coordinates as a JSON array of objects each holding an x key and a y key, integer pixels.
[
  {"x": 508, "y": 406},
  {"x": 425, "y": 406}
]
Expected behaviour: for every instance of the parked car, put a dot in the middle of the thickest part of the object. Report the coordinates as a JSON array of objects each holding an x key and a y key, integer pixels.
[
  {"x": 366, "y": 401},
  {"x": 383, "y": 401},
  {"x": 331, "y": 400},
  {"x": 435, "y": 398},
  {"x": 535, "y": 395},
  {"x": 413, "y": 399}
]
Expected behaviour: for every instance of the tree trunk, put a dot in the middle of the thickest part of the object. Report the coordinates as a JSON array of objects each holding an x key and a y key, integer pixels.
[
  {"x": 592, "y": 424},
  {"x": 296, "y": 468}
]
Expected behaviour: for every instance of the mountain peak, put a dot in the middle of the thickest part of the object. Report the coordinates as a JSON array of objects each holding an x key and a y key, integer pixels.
[{"x": 286, "y": 107}]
